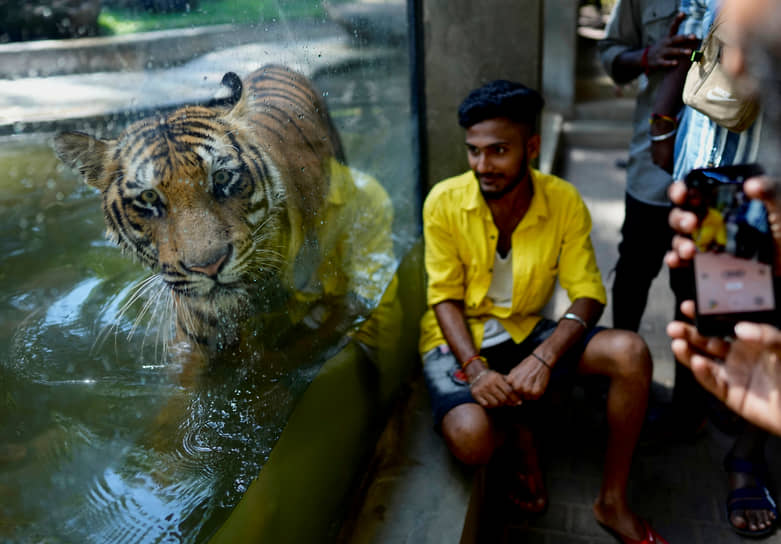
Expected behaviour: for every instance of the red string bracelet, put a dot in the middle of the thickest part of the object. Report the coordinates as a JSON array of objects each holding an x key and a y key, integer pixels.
[
  {"x": 644, "y": 60},
  {"x": 474, "y": 358}
]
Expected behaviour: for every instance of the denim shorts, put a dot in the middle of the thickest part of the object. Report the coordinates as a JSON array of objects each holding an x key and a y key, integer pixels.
[{"x": 447, "y": 385}]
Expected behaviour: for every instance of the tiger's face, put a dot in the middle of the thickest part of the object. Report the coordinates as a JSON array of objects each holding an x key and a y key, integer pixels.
[
  {"x": 199, "y": 213},
  {"x": 200, "y": 199}
]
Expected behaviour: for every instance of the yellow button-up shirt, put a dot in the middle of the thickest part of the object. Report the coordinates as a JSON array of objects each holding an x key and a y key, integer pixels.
[{"x": 552, "y": 240}]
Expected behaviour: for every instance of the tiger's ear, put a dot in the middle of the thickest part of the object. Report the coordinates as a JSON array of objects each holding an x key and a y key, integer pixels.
[
  {"x": 84, "y": 153},
  {"x": 230, "y": 93}
]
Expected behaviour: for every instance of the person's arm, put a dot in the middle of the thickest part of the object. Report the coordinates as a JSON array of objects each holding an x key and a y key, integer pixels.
[
  {"x": 669, "y": 96},
  {"x": 531, "y": 376},
  {"x": 668, "y": 103},
  {"x": 665, "y": 54},
  {"x": 489, "y": 388}
]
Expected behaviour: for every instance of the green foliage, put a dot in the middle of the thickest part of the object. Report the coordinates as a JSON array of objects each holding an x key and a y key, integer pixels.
[{"x": 116, "y": 21}]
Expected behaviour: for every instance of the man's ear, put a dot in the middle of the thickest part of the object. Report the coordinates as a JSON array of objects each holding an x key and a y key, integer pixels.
[{"x": 533, "y": 146}]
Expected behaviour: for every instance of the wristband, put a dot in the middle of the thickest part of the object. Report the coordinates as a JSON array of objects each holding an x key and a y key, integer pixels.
[
  {"x": 644, "y": 60},
  {"x": 575, "y": 317},
  {"x": 540, "y": 359},
  {"x": 474, "y": 358},
  {"x": 665, "y": 136}
]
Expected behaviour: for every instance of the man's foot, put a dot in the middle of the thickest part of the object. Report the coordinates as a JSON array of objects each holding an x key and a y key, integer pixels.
[
  {"x": 526, "y": 490},
  {"x": 751, "y": 510},
  {"x": 624, "y": 525},
  {"x": 516, "y": 477}
]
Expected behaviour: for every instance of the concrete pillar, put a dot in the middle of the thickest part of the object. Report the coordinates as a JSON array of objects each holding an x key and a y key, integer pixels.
[
  {"x": 560, "y": 45},
  {"x": 466, "y": 44}
]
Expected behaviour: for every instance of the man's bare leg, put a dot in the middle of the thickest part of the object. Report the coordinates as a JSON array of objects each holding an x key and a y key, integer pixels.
[
  {"x": 473, "y": 438},
  {"x": 470, "y": 434},
  {"x": 623, "y": 357}
]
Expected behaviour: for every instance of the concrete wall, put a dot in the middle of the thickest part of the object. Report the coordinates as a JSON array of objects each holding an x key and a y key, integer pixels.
[{"x": 466, "y": 44}]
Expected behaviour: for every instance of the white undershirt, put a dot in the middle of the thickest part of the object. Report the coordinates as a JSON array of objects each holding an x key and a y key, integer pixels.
[{"x": 501, "y": 293}]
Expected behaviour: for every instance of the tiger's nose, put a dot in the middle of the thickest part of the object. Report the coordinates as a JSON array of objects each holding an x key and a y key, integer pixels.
[{"x": 212, "y": 264}]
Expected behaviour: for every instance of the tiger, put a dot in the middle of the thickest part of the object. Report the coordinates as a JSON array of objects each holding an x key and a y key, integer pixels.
[{"x": 224, "y": 199}]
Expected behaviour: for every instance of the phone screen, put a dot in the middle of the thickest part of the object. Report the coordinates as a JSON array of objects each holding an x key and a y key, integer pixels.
[{"x": 733, "y": 275}]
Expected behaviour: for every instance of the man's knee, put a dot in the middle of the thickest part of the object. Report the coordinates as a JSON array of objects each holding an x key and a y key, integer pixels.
[
  {"x": 621, "y": 354},
  {"x": 469, "y": 434},
  {"x": 631, "y": 356}
]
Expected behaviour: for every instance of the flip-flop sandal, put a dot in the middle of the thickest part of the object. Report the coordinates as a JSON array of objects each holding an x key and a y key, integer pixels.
[
  {"x": 651, "y": 536},
  {"x": 754, "y": 497}
]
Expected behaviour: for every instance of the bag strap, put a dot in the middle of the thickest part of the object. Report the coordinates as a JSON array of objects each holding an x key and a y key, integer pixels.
[{"x": 713, "y": 34}]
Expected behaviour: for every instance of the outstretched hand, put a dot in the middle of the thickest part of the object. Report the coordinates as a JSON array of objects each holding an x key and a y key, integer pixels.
[{"x": 744, "y": 373}]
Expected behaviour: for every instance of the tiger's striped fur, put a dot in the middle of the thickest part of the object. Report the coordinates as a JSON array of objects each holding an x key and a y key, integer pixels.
[{"x": 207, "y": 196}]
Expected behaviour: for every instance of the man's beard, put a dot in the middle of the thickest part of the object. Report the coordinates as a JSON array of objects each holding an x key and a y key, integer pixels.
[{"x": 510, "y": 186}]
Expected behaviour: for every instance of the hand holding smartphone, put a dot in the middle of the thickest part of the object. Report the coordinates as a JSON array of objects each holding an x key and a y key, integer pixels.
[{"x": 733, "y": 274}]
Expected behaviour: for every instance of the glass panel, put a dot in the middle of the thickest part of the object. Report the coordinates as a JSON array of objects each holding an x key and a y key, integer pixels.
[{"x": 143, "y": 389}]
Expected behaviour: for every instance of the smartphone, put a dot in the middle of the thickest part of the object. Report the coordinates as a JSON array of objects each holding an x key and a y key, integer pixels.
[{"x": 733, "y": 270}]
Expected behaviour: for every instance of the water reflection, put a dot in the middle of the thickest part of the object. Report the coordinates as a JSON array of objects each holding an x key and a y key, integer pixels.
[{"x": 100, "y": 439}]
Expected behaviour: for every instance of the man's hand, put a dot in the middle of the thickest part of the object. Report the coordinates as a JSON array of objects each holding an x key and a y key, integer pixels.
[
  {"x": 667, "y": 52},
  {"x": 491, "y": 390},
  {"x": 529, "y": 378},
  {"x": 745, "y": 374}
]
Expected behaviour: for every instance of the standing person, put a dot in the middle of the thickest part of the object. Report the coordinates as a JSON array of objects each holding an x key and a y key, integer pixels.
[
  {"x": 496, "y": 239},
  {"x": 641, "y": 42},
  {"x": 700, "y": 142}
]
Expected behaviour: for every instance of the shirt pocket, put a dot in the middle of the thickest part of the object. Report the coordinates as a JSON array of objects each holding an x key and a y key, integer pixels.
[{"x": 657, "y": 18}]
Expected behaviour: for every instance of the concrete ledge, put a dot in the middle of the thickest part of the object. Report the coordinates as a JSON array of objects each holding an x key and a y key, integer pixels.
[
  {"x": 370, "y": 23},
  {"x": 144, "y": 50},
  {"x": 597, "y": 134}
]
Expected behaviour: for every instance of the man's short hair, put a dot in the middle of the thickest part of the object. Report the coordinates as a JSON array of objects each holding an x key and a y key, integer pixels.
[{"x": 501, "y": 98}]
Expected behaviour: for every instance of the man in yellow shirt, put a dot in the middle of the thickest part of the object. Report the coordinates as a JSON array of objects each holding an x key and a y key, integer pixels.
[{"x": 497, "y": 239}]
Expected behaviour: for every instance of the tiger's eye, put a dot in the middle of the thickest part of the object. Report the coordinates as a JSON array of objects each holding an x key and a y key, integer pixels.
[
  {"x": 149, "y": 196},
  {"x": 221, "y": 176}
]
